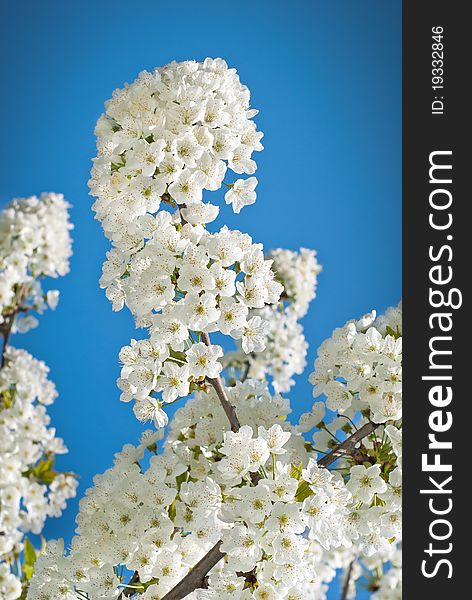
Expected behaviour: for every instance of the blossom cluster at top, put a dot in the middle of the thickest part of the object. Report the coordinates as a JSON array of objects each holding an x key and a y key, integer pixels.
[
  {"x": 174, "y": 131},
  {"x": 163, "y": 140},
  {"x": 30, "y": 488},
  {"x": 34, "y": 242}
]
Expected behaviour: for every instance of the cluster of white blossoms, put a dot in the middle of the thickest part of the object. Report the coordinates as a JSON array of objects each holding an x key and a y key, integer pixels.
[
  {"x": 34, "y": 242},
  {"x": 284, "y": 518},
  {"x": 285, "y": 345},
  {"x": 30, "y": 489},
  {"x": 259, "y": 490},
  {"x": 298, "y": 272},
  {"x": 378, "y": 487},
  {"x": 174, "y": 131},
  {"x": 183, "y": 288},
  {"x": 363, "y": 361},
  {"x": 163, "y": 140},
  {"x": 380, "y": 574}
]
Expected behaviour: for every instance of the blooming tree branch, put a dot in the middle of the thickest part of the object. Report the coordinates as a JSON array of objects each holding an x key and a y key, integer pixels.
[
  {"x": 9, "y": 320},
  {"x": 195, "y": 579},
  {"x": 348, "y": 447},
  {"x": 347, "y": 581},
  {"x": 34, "y": 243},
  {"x": 219, "y": 388}
]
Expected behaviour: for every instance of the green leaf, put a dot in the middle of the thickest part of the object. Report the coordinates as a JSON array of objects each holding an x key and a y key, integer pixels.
[
  {"x": 296, "y": 471},
  {"x": 180, "y": 479},
  {"x": 43, "y": 466},
  {"x": 30, "y": 552},
  {"x": 43, "y": 471},
  {"x": 393, "y": 333},
  {"x": 196, "y": 386},
  {"x": 178, "y": 355},
  {"x": 28, "y": 571},
  {"x": 172, "y": 511},
  {"x": 7, "y": 397},
  {"x": 48, "y": 477},
  {"x": 147, "y": 584},
  {"x": 303, "y": 492}
]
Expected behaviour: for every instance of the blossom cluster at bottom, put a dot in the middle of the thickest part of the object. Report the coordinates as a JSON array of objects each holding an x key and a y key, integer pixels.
[
  {"x": 164, "y": 505},
  {"x": 30, "y": 488}
]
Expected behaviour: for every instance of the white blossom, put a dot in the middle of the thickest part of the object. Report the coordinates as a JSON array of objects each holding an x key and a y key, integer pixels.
[{"x": 34, "y": 242}]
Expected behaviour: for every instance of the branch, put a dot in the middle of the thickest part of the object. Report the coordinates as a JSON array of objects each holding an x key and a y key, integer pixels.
[
  {"x": 229, "y": 409},
  {"x": 5, "y": 330},
  {"x": 219, "y": 388},
  {"x": 348, "y": 447},
  {"x": 129, "y": 591},
  {"x": 196, "y": 577},
  {"x": 7, "y": 325},
  {"x": 347, "y": 581}
]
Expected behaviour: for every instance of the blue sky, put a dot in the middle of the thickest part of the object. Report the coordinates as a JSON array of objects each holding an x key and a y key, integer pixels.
[{"x": 326, "y": 77}]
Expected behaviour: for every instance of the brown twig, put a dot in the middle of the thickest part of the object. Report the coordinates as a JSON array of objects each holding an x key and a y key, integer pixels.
[
  {"x": 348, "y": 447},
  {"x": 347, "y": 581},
  {"x": 229, "y": 409},
  {"x": 219, "y": 388},
  {"x": 7, "y": 325},
  {"x": 5, "y": 330},
  {"x": 196, "y": 577}
]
